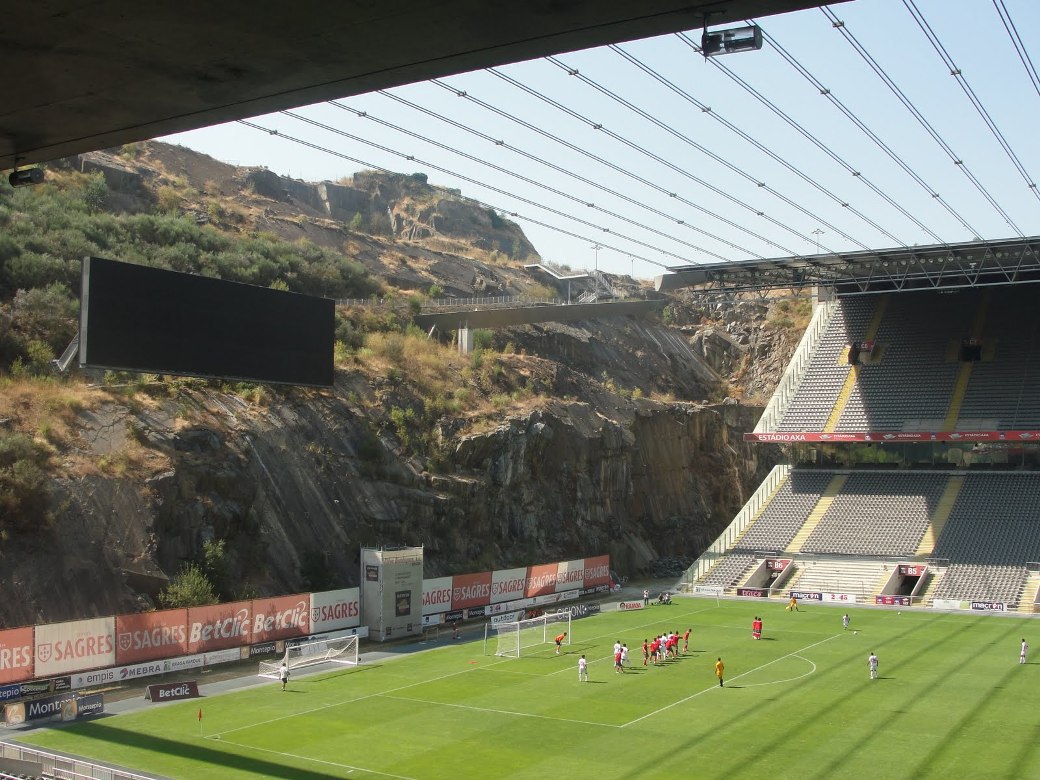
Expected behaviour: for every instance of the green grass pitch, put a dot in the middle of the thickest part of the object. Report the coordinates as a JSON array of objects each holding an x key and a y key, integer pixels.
[{"x": 952, "y": 701}]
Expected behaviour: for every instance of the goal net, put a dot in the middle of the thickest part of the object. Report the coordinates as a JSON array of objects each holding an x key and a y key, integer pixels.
[
  {"x": 516, "y": 637},
  {"x": 343, "y": 650}
]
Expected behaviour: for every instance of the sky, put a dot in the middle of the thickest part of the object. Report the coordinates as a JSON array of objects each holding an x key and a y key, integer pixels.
[{"x": 661, "y": 158}]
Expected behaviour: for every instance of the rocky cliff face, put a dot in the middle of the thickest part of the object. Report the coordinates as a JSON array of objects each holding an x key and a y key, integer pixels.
[
  {"x": 573, "y": 459},
  {"x": 297, "y": 488}
]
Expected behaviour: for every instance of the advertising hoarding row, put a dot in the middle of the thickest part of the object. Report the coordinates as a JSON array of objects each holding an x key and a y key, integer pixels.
[
  {"x": 895, "y": 437},
  {"x": 129, "y": 640},
  {"x": 471, "y": 591}
]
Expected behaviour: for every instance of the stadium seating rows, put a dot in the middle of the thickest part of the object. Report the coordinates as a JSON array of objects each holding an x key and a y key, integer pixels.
[
  {"x": 991, "y": 533},
  {"x": 916, "y": 377}
]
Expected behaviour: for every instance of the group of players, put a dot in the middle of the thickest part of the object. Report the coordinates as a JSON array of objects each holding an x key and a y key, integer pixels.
[{"x": 654, "y": 652}]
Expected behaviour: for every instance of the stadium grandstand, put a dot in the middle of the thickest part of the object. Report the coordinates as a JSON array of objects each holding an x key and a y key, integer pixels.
[{"x": 912, "y": 423}]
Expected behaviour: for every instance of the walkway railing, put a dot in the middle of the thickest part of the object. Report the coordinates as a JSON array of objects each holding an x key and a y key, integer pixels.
[
  {"x": 67, "y": 768},
  {"x": 796, "y": 369},
  {"x": 718, "y": 549}
]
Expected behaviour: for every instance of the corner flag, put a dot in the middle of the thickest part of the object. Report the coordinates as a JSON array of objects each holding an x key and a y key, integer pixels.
[{"x": 200, "y": 714}]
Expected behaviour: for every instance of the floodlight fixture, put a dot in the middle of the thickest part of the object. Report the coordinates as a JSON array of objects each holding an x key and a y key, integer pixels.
[
  {"x": 748, "y": 38},
  {"x": 25, "y": 176}
]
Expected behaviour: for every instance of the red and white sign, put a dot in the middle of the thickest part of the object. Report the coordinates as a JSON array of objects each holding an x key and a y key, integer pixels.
[
  {"x": 79, "y": 644},
  {"x": 219, "y": 626},
  {"x": 151, "y": 635},
  {"x": 541, "y": 579},
  {"x": 597, "y": 571},
  {"x": 16, "y": 655},
  {"x": 570, "y": 575},
  {"x": 625, "y": 606},
  {"x": 912, "y": 569},
  {"x": 777, "y": 564},
  {"x": 508, "y": 584},
  {"x": 470, "y": 590},
  {"x": 896, "y": 436},
  {"x": 436, "y": 595},
  {"x": 332, "y": 610},
  {"x": 282, "y": 617},
  {"x": 755, "y": 592}
]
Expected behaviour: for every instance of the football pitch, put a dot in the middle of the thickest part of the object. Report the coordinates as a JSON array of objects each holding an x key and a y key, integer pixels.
[{"x": 951, "y": 701}]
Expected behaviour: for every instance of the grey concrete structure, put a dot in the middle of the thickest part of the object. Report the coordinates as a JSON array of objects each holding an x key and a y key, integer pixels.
[{"x": 86, "y": 76}]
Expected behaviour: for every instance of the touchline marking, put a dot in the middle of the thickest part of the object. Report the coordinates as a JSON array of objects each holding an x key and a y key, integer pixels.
[
  {"x": 744, "y": 674},
  {"x": 320, "y": 761},
  {"x": 504, "y": 712}
]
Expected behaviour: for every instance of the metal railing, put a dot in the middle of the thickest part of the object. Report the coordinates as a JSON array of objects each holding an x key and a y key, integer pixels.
[
  {"x": 68, "y": 768},
  {"x": 796, "y": 369},
  {"x": 754, "y": 504}
]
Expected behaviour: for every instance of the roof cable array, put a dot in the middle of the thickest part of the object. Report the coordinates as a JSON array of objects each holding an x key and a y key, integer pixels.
[
  {"x": 972, "y": 97},
  {"x": 616, "y": 192},
  {"x": 839, "y": 25},
  {"x": 1016, "y": 41},
  {"x": 852, "y": 117}
]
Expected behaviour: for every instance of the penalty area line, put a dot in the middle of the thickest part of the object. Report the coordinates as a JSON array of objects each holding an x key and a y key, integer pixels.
[
  {"x": 743, "y": 674},
  {"x": 503, "y": 712},
  {"x": 336, "y": 764}
]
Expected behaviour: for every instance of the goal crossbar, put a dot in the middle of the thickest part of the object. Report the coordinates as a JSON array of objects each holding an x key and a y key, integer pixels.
[
  {"x": 343, "y": 650},
  {"x": 515, "y": 637}
]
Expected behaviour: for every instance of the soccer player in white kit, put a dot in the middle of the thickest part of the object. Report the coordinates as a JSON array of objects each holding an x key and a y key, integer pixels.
[
  {"x": 1023, "y": 651},
  {"x": 583, "y": 670},
  {"x": 845, "y": 621},
  {"x": 872, "y": 663},
  {"x": 624, "y": 655}
]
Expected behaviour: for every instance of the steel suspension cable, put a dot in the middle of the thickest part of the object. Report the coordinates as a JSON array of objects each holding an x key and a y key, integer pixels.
[
  {"x": 507, "y": 212},
  {"x": 839, "y": 25},
  {"x": 599, "y": 126},
  {"x": 944, "y": 55},
  {"x": 1016, "y": 40},
  {"x": 859, "y": 123},
  {"x": 530, "y": 181},
  {"x": 743, "y": 135},
  {"x": 485, "y": 185},
  {"x": 798, "y": 128},
  {"x": 535, "y": 158},
  {"x": 704, "y": 150}
]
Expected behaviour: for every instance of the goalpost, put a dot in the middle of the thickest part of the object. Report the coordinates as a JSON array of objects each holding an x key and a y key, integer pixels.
[
  {"x": 343, "y": 650},
  {"x": 517, "y": 636}
]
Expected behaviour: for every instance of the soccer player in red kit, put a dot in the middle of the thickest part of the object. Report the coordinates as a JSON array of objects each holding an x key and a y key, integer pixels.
[
  {"x": 646, "y": 652},
  {"x": 686, "y": 641}
]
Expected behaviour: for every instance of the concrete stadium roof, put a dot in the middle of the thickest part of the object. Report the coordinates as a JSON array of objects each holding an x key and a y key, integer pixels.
[{"x": 85, "y": 76}]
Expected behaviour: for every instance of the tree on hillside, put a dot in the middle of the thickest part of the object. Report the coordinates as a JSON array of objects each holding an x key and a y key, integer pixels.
[{"x": 189, "y": 588}]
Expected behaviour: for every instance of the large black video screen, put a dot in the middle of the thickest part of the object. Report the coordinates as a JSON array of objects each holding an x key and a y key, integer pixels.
[{"x": 136, "y": 318}]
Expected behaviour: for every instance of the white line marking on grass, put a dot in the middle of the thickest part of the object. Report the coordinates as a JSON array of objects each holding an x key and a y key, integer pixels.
[
  {"x": 349, "y": 701},
  {"x": 319, "y": 761},
  {"x": 504, "y": 712},
  {"x": 788, "y": 679},
  {"x": 744, "y": 674}
]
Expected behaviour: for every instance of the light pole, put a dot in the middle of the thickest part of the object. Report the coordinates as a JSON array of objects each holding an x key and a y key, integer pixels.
[
  {"x": 817, "y": 233},
  {"x": 632, "y": 273},
  {"x": 595, "y": 248}
]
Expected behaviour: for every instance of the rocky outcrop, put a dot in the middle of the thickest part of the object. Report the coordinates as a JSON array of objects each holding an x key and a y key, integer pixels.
[{"x": 304, "y": 484}]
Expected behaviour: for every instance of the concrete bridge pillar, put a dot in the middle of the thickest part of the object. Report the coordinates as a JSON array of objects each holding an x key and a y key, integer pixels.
[{"x": 465, "y": 339}]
